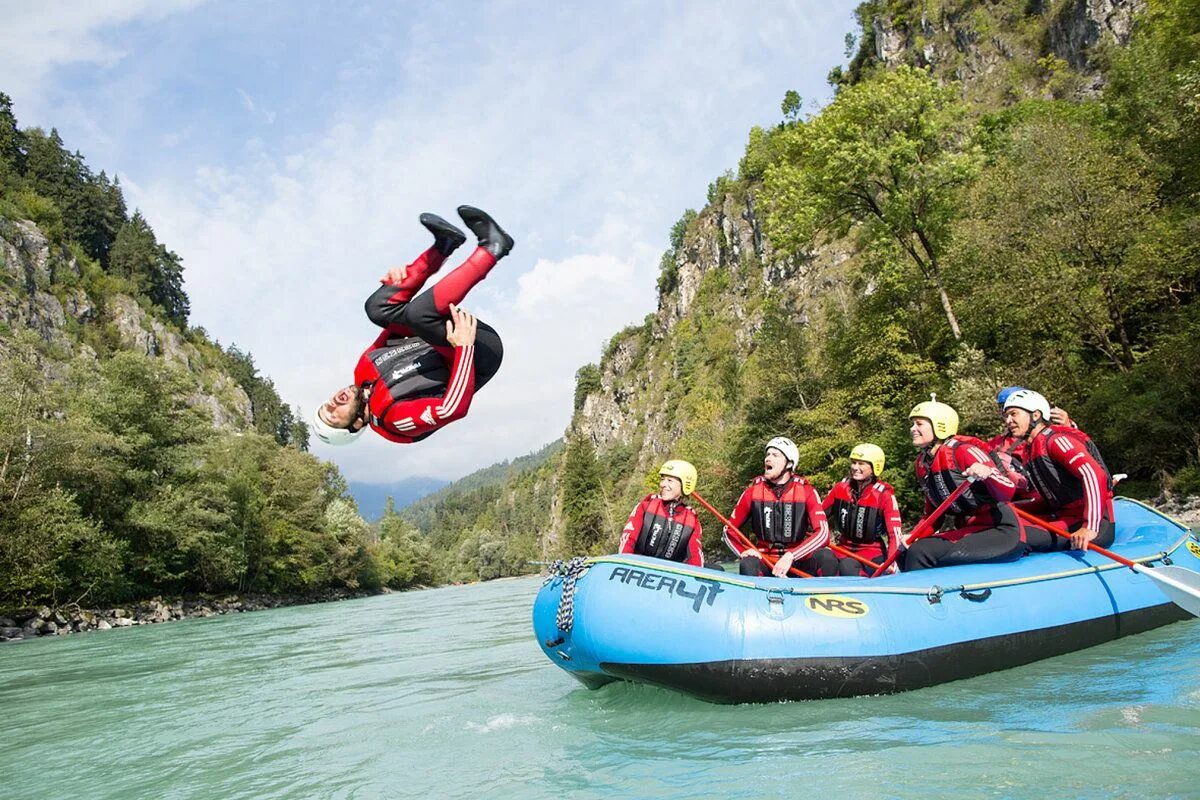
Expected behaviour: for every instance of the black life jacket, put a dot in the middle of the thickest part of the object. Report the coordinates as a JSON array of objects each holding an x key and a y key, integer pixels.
[
  {"x": 860, "y": 520},
  {"x": 408, "y": 367},
  {"x": 780, "y": 520},
  {"x": 939, "y": 476},
  {"x": 666, "y": 530},
  {"x": 1054, "y": 482}
]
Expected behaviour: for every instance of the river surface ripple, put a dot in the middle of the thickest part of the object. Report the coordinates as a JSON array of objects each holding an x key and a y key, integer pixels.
[{"x": 443, "y": 693}]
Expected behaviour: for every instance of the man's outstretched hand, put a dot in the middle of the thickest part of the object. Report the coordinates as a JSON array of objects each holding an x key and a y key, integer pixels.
[{"x": 460, "y": 328}]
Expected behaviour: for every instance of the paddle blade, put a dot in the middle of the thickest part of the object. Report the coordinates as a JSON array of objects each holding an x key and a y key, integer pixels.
[{"x": 1181, "y": 585}]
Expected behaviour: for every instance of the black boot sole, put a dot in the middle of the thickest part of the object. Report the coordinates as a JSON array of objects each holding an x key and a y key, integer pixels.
[
  {"x": 490, "y": 235},
  {"x": 446, "y": 236}
]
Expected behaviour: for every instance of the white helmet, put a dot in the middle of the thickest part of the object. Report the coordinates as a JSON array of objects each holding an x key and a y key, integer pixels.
[
  {"x": 787, "y": 447},
  {"x": 1031, "y": 401},
  {"x": 331, "y": 435}
]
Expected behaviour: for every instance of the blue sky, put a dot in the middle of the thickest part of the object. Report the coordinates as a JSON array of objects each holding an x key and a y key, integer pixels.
[{"x": 285, "y": 149}]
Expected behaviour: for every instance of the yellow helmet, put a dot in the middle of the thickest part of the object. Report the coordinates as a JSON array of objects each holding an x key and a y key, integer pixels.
[
  {"x": 682, "y": 470},
  {"x": 943, "y": 418},
  {"x": 871, "y": 453}
]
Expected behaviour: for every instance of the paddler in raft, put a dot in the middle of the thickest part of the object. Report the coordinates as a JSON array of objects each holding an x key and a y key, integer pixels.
[
  {"x": 1003, "y": 443},
  {"x": 432, "y": 356},
  {"x": 785, "y": 516},
  {"x": 863, "y": 512},
  {"x": 663, "y": 525},
  {"x": 1067, "y": 479},
  {"x": 982, "y": 526}
]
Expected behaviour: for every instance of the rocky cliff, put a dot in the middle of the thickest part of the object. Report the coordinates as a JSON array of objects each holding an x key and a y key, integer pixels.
[
  {"x": 998, "y": 50},
  {"x": 43, "y": 289}
]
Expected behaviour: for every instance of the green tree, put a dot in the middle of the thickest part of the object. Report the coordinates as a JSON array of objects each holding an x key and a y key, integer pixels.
[
  {"x": 156, "y": 271},
  {"x": 888, "y": 155},
  {"x": 582, "y": 499},
  {"x": 1064, "y": 212}
]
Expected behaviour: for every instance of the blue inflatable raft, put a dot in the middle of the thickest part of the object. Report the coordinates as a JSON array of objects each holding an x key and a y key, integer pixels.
[{"x": 731, "y": 639}]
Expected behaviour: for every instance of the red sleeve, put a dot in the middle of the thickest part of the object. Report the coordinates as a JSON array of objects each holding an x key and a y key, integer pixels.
[
  {"x": 630, "y": 533},
  {"x": 695, "y": 549},
  {"x": 741, "y": 512},
  {"x": 1076, "y": 460},
  {"x": 422, "y": 415},
  {"x": 819, "y": 535},
  {"x": 829, "y": 498},
  {"x": 998, "y": 484},
  {"x": 891, "y": 519}
]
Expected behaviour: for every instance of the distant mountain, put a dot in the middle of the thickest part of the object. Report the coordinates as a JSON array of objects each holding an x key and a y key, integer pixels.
[{"x": 372, "y": 497}]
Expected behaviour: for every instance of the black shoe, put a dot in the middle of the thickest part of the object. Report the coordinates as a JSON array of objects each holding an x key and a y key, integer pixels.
[
  {"x": 491, "y": 236},
  {"x": 446, "y": 237}
]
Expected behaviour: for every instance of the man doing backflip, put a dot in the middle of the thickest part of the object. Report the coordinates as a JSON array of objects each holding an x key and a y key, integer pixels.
[{"x": 432, "y": 356}]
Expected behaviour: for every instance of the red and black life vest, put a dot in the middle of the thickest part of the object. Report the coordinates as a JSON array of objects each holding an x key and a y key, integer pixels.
[
  {"x": 403, "y": 368},
  {"x": 1056, "y": 485},
  {"x": 860, "y": 520},
  {"x": 940, "y": 475},
  {"x": 667, "y": 528},
  {"x": 780, "y": 519}
]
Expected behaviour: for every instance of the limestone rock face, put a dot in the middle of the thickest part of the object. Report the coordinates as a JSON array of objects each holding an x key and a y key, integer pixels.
[
  {"x": 957, "y": 43},
  {"x": 1083, "y": 24},
  {"x": 728, "y": 238},
  {"x": 34, "y": 297}
]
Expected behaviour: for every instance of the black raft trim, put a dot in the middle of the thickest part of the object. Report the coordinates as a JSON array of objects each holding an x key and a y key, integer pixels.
[{"x": 774, "y": 679}]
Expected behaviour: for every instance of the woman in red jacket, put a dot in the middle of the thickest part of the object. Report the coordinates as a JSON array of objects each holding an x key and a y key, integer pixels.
[
  {"x": 662, "y": 525},
  {"x": 862, "y": 510},
  {"x": 980, "y": 526}
]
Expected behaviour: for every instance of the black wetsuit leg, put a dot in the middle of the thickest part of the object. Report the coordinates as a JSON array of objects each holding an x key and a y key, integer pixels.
[
  {"x": 823, "y": 562},
  {"x": 1043, "y": 541},
  {"x": 849, "y": 566},
  {"x": 1000, "y": 543},
  {"x": 422, "y": 317}
]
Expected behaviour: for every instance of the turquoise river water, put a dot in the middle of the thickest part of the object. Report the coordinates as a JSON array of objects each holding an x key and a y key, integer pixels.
[{"x": 443, "y": 693}]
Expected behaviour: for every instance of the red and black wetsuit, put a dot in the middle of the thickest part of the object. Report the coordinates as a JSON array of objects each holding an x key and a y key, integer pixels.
[
  {"x": 417, "y": 380},
  {"x": 785, "y": 517},
  {"x": 867, "y": 519},
  {"x": 982, "y": 524},
  {"x": 1068, "y": 485},
  {"x": 663, "y": 530}
]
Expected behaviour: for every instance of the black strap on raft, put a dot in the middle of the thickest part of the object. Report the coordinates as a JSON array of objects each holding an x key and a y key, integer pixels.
[
  {"x": 569, "y": 571},
  {"x": 976, "y": 597}
]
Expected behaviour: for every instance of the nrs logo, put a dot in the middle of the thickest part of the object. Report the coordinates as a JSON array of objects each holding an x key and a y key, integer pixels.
[
  {"x": 832, "y": 605},
  {"x": 1194, "y": 548}
]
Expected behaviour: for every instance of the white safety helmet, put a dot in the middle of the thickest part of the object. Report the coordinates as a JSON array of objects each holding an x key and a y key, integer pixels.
[
  {"x": 331, "y": 435},
  {"x": 788, "y": 448},
  {"x": 1031, "y": 401}
]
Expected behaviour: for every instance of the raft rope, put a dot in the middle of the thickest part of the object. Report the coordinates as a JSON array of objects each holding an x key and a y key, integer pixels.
[
  {"x": 933, "y": 593},
  {"x": 570, "y": 572}
]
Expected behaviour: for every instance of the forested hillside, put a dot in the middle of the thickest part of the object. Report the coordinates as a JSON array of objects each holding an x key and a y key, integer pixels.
[
  {"x": 137, "y": 456},
  {"x": 1000, "y": 193}
]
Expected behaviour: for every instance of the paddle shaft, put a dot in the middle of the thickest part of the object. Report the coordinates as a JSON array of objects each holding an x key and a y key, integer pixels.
[
  {"x": 925, "y": 526},
  {"x": 1063, "y": 532},
  {"x": 745, "y": 542},
  {"x": 842, "y": 551}
]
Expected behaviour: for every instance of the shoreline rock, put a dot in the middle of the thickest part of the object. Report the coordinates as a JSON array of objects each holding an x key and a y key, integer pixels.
[{"x": 28, "y": 623}]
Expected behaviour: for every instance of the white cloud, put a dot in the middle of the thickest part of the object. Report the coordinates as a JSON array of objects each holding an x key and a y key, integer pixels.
[{"x": 36, "y": 38}]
